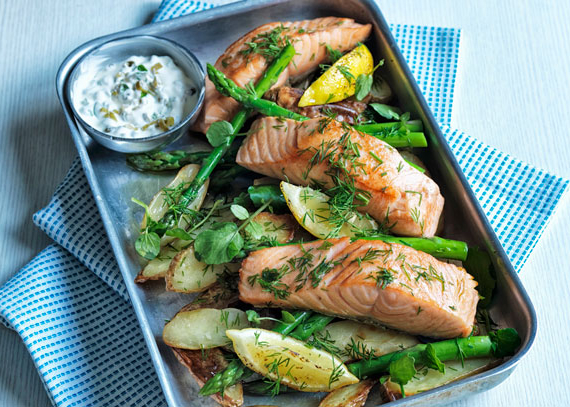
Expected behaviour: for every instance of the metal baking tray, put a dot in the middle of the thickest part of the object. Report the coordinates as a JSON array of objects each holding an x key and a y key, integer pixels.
[{"x": 207, "y": 34}]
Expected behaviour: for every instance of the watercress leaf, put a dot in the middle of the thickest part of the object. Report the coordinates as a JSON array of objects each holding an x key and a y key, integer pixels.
[
  {"x": 402, "y": 370},
  {"x": 239, "y": 212},
  {"x": 254, "y": 230},
  {"x": 478, "y": 264},
  {"x": 287, "y": 317},
  {"x": 148, "y": 245},
  {"x": 431, "y": 360},
  {"x": 386, "y": 111},
  {"x": 179, "y": 233},
  {"x": 219, "y": 132},
  {"x": 505, "y": 342},
  {"x": 219, "y": 244},
  {"x": 363, "y": 86},
  {"x": 253, "y": 317},
  {"x": 405, "y": 117},
  {"x": 384, "y": 379}
]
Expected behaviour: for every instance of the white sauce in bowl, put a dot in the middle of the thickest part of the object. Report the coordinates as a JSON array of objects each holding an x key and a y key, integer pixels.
[{"x": 135, "y": 98}]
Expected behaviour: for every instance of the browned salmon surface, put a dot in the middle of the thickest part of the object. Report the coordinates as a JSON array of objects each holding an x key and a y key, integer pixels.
[
  {"x": 390, "y": 284},
  {"x": 400, "y": 197},
  {"x": 309, "y": 37}
]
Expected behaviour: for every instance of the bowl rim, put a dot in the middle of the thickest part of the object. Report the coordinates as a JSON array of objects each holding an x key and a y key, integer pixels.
[{"x": 165, "y": 134}]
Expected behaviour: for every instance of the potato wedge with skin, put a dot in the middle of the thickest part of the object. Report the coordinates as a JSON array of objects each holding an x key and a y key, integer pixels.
[
  {"x": 354, "y": 395},
  {"x": 158, "y": 205},
  {"x": 157, "y": 267},
  {"x": 289, "y": 360},
  {"x": 203, "y": 328},
  {"x": 355, "y": 338},
  {"x": 203, "y": 366},
  {"x": 214, "y": 297},
  {"x": 277, "y": 228},
  {"x": 433, "y": 378},
  {"x": 188, "y": 275}
]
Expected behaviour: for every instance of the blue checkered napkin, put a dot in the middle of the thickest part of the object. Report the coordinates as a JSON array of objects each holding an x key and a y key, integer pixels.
[
  {"x": 83, "y": 335},
  {"x": 84, "y": 338}
]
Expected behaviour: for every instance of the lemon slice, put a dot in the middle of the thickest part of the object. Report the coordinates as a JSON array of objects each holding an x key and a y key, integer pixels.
[
  {"x": 289, "y": 360},
  {"x": 339, "y": 81},
  {"x": 312, "y": 210}
]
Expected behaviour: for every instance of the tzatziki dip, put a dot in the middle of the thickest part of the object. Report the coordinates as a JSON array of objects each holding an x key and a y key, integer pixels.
[{"x": 134, "y": 98}]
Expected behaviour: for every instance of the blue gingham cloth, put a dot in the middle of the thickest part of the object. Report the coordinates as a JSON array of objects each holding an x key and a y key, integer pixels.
[{"x": 70, "y": 304}]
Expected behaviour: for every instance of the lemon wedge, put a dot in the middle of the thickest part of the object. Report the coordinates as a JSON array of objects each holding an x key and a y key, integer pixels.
[
  {"x": 312, "y": 210},
  {"x": 339, "y": 81},
  {"x": 289, "y": 361}
]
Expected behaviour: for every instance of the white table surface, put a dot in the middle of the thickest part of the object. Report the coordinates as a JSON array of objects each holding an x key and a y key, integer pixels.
[{"x": 513, "y": 93}]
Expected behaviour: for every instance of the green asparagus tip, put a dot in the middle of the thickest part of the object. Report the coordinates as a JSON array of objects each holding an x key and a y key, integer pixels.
[{"x": 505, "y": 342}]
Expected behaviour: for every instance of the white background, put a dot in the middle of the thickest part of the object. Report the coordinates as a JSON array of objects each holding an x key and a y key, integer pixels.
[{"x": 513, "y": 93}]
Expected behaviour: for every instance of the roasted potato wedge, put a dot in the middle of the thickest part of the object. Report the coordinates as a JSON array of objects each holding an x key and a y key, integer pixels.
[
  {"x": 278, "y": 228},
  {"x": 353, "y": 395},
  {"x": 214, "y": 297},
  {"x": 157, "y": 267},
  {"x": 356, "y": 339},
  {"x": 433, "y": 378},
  {"x": 188, "y": 275},
  {"x": 204, "y": 365},
  {"x": 203, "y": 328}
]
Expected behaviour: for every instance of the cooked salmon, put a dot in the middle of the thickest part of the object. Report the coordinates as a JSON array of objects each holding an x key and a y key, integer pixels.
[
  {"x": 242, "y": 64},
  {"x": 390, "y": 284},
  {"x": 320, "y": 150}
]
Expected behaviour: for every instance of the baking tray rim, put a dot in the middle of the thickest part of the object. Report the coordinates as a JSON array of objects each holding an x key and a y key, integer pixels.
[{"x": 504, "y": 369}]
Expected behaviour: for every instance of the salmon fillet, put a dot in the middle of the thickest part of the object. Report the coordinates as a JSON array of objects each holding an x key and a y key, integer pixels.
[
  {"x": 309, "y": 37},
  {"x": 390, "y": 284},
  {"x": 402, "y": 198}
]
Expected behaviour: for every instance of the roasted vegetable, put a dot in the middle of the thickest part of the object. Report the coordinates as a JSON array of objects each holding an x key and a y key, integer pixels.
[
  {"x": 203, "y": 365},
  {"x": 202, "y": 328},
  {"x": 428, "y": 379},
  {"x": 501, "y": 343},
  {"x": 353, "y": 395},
  {"x": 157, "y": 267},
  {"x": 268, "y": 227},
  {"x": 188, "y": 275},
  {"x": 356, "y": 340},
  {"x": 170, "y": 194}
]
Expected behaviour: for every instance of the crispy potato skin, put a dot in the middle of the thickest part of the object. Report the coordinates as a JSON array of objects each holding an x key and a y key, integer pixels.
[
  {"x": 204, "y": 367},
  {"x": 354, "y": 395}
]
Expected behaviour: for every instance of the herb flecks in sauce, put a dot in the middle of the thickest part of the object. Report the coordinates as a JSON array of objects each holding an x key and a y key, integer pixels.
[{"x": 136, "y": 98}]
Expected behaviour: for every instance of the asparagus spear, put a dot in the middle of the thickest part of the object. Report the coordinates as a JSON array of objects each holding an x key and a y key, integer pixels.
[
  {"x": 224, "y": 379},
  {"x": 165, "y": 160},
  {"x": 412, "y": 125},
  {"x": 436, "y": 246},
  {"x": 311, "y": 325},
  {"x": 267, "y": 80},
  {"x": 285, "y": 328},
  {"x": 236, "y": 370},
  {"x": 501, "y": 343},
  {"x": 399, "y": 140},
  {"x": 227, "y": 87}
]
